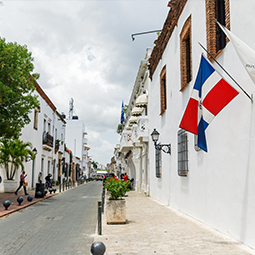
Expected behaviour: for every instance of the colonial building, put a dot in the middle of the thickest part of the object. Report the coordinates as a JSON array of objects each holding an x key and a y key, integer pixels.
[
  {"x": 46, "y": 132},
  {"x": 76, "y": 138},
  {"x": 216, "y": 187},
  {"x": 133, "y": 151}
]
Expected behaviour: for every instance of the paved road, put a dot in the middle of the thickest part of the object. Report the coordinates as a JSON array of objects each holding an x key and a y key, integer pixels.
[{"x": 63, "y": 224}]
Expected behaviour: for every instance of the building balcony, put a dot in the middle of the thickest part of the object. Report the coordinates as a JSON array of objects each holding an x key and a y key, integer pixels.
[
  {"x": 47, "y": 141},
  {"x": 85, "y": 152},
  {"x": 143, "y": 129},
  {"x": 126, "y": 143}
]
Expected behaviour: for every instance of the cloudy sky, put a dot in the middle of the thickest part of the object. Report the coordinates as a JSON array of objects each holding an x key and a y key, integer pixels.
[{"x": 83, "y": 50}]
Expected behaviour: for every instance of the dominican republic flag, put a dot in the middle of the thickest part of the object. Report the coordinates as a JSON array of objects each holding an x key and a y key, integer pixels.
[
  {"x": 122, "y": 117},
  {"x": 211, "y": 93}
]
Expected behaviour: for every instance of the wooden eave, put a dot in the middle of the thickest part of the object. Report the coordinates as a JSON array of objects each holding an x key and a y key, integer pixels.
[
  {"x": 44, "y": 96},
  {"x": 177, "y": 7}
]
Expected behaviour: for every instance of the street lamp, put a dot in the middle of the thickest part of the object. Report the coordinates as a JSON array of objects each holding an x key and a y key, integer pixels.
[{"x": 158, "y": 146}]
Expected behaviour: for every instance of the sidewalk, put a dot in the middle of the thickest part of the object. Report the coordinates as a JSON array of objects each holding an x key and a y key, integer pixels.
[
  {"x": 15, "y": 205},
  {"x": 153, "y": 228}
]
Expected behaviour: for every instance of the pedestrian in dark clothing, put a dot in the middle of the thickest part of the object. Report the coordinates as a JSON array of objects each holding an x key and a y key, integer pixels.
[
  {"x": 48, "y": 180},
  {"x": 22, "y": 181}
]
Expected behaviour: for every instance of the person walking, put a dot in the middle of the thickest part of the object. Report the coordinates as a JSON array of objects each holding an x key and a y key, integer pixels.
[
  {"x": 22, "y": 181},
  {"x": 48, "y": 180}
]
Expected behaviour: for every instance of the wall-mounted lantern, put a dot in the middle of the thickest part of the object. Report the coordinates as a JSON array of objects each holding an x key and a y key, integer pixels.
[{"x": 158, "y": 146}]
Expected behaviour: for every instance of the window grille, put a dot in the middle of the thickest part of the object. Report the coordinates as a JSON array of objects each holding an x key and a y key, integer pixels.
[
  {"x": 158, "y": 163},
  {"x": 183, "y": 168}
]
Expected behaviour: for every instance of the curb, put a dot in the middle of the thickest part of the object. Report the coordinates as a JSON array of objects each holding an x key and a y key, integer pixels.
[{"x": 7, "y": 212}]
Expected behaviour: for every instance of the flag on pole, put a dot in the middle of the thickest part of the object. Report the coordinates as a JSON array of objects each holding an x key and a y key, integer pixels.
[
  {"x": 210, "y": 94},
  {"x": 244, "y": 52},
  {"x": 122, "y": 117}
]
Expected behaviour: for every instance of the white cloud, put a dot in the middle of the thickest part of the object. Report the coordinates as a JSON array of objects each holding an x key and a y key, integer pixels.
[{"x": 83, "y": 49}]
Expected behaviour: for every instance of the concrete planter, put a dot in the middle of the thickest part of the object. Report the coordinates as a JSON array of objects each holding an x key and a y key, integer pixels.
[
  {"x": 116, "y": 211},
  {"x": 10, "y": 186}
]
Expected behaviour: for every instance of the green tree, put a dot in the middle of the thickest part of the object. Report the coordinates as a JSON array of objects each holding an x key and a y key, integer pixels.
[
  {"x": 12, "y": 155},
  {"x": 94, "y": 164},
  {"x": 16, "y": 88}
]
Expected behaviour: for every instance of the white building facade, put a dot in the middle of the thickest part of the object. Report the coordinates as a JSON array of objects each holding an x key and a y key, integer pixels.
[
  {"x": 46, "y": 133},
  {"x": 76, "y": 140},
  {"x": 216, "y": 187},
  {"x": 132, "y": 153}
]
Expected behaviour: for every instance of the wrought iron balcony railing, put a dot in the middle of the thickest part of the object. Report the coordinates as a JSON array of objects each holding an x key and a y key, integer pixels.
[{"x": 47, "y": 139}]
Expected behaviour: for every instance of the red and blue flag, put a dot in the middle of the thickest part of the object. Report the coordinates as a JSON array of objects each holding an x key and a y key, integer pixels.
[
  {"x": 122, "y": 116},
  {"x": 210, "y": 94}
]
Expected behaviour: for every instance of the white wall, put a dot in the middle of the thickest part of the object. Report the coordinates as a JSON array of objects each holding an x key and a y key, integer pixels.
[
  {"x": 74, "y": 136},
  {"x": 220, "y": 186}
]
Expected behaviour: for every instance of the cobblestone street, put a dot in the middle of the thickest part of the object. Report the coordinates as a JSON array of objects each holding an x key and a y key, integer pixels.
[{"x": 62, "y": 224}]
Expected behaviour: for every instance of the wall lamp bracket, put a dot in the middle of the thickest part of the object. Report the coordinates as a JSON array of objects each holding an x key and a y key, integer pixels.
[{"x": 158, "y": 146}]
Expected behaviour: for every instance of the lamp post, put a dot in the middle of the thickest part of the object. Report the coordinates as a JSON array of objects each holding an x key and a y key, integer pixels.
[
  {"x": 33, "y": 167},
  {"x": 158, "y": 146}
]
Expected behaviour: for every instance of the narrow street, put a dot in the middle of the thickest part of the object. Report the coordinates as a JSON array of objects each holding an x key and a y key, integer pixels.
[{"x": 63, "y": 224}]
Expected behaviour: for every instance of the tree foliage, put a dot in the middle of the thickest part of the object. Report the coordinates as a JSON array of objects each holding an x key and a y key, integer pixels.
[
  {"x": 16, "y": 88},
  {"x": 94, "y": 164},
  {"x": 12, "y": 155}
]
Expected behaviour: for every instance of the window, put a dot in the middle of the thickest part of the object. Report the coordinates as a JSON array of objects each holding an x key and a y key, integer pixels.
[
  {"x": 49, "y": 127},
  {"x": 185, "y": 54},
  {"x": 44, "y": 125},
  {"x": 163, "y": 90},
  {"x": 182, "y": 153},
  {"x": 158, "y": 163},
  {"x": 42, "y": 162},
  {"x": 216, "y": 39},
  {"x": 36, "y": 112}
]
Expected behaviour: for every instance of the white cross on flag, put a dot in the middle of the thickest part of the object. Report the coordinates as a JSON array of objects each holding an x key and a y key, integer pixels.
[{"x": 210, "y": 94}]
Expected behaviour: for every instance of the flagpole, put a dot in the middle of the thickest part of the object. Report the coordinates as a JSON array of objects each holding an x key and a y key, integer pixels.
[{"x": 227, "y": 73}]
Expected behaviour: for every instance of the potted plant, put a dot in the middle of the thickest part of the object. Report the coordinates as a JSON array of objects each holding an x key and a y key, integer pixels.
[
  {"x": 13, "y": 152},
  {"x": 116, "y": 205}
]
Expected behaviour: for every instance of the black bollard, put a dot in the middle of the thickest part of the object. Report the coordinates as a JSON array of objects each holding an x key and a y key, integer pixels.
[
  {"x": 39, "y": 194},
  {"x": 29, "y": 198},
  {"x": 102, "y": 202},
  {"x": 59, "y": 187},
  {"x": 99, "y": 229},
  {"x": 20, "y": 200},
  {"x": 98, "y": 248},
  {"x": 6, "y": 204},
  {"x": 63, "y": 186}
]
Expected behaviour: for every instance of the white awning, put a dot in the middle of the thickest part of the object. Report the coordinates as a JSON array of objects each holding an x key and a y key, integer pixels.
[
  {"x": 136, "y": 111},
  {"x": 132, "y": 120},
  {"x": 142, "y": 100}
]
